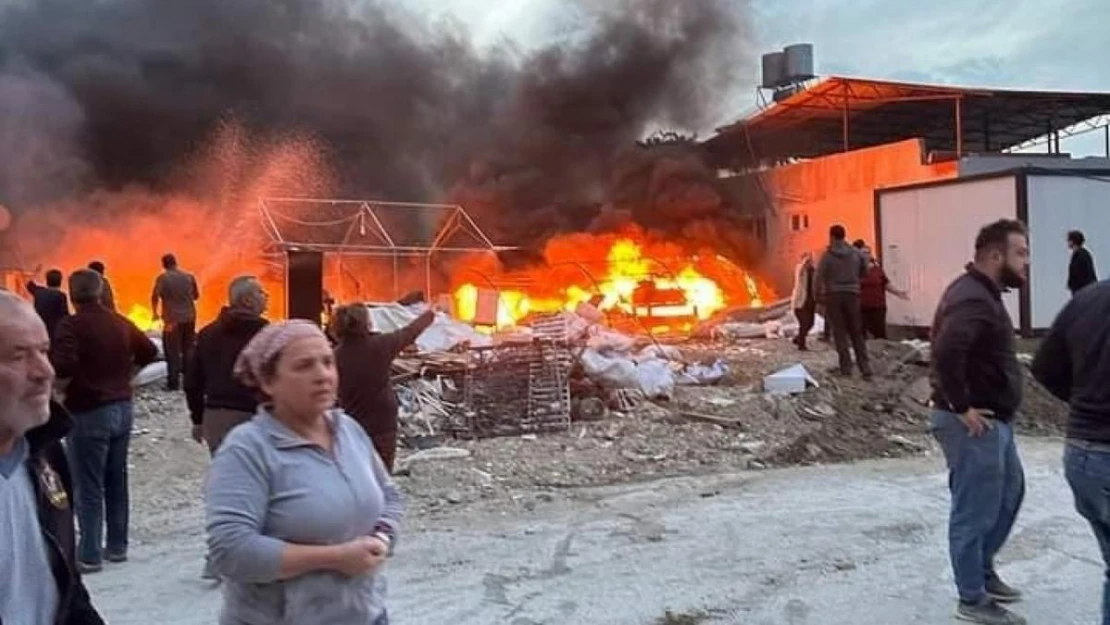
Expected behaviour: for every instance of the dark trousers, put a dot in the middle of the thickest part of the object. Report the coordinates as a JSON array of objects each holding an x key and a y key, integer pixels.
[
  {"x": 1088, "y": 474},
  {"x": 874, "y": 322},
  {"x": 97, "y": 448},
  {"x": 987, "y": 483},
  {"x": 218, "y": 422},
  {"x": 385, "y": 443},
  {"x": 178, "y": 340},
  {"x": 805, "y": 316},
  {"x": 847, "y": 329}
]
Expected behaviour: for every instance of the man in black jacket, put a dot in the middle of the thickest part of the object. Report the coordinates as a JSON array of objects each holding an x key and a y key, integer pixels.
[
  {"x": 1073, "y": 363},
  {"x": 1081, "y": 269},
  {"x": 217, "y": 401},
  {"x": 39, "y": 580},
  {"x": 977, "y": 387},
  {"x": 51, "y": 303},
  {"x": 837, "y": 283}
]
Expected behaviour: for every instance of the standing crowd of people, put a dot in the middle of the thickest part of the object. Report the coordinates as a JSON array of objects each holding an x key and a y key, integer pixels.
[
  {"x": 302, "y": 427},
  {"x": 283, "y": 408}
]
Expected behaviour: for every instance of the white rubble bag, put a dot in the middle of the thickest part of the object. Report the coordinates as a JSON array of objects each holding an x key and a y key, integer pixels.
[
  {"x": 655, "y": 378},
  {"x": 154, "y": 372},
  {"x": 788, "y": 381}
]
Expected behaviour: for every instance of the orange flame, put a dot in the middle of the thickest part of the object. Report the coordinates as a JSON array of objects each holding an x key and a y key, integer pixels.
[{"x": 633, "y": 281}]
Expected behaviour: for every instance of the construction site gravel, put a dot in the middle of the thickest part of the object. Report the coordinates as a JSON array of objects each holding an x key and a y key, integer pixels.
[{"x": 725, "y": 427}]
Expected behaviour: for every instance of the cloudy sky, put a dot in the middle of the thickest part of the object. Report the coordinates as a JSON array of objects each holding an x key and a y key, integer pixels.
[{"x": 1035, "y": 44}]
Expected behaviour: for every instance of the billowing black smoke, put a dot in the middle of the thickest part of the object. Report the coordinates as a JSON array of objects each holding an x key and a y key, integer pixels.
[{"x": 115, "y": 93}]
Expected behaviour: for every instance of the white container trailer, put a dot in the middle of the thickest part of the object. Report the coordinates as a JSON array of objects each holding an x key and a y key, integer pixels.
[{"x": 926, "y": 235}]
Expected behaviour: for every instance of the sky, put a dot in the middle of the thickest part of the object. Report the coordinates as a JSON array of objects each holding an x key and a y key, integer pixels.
[{"x": 1031, "y": 44}]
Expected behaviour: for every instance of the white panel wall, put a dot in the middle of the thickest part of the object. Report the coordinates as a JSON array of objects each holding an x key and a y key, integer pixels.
[
  {"x": 1058, "y": 204},
  {"x": 928, "y": 236}
]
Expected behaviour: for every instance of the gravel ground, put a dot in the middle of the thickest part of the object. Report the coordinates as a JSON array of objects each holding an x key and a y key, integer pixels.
[{"x": 842, "y": 420}]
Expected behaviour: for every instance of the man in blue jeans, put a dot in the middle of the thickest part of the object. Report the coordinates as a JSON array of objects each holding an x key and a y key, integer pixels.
[
  {"x": 1073, "y": 363},
  {"x": 977, "y": 384},
  {"x": 97, "y": 349}
]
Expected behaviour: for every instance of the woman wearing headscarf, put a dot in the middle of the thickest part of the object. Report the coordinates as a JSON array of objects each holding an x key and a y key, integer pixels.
[
  {"x": 365, "y": 362},
  {"x": 301, "y": 511}
]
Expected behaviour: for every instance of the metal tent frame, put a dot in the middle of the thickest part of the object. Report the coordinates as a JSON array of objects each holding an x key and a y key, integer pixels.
[{"x": 371, "y": 228}]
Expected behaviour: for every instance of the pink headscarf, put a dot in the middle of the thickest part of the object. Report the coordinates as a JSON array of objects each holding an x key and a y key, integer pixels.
[{"x": 267, "y": 344}]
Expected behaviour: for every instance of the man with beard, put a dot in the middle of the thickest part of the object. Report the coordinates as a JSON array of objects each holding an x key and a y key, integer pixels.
[
  {"x": 1073, "y": 363},
  {"x": 218, "y": 402},
  {"x": 977, "y": 388},
  {"x": 39, "y": 580}
]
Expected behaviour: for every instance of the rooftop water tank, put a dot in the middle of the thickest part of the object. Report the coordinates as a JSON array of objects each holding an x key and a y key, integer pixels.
[
  {"x": 799, "y": 62},
  {"x": 774, "y": 69}
]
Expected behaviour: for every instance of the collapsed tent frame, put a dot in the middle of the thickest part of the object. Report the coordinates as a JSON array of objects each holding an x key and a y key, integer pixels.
[{"x": 367, "y": 235}]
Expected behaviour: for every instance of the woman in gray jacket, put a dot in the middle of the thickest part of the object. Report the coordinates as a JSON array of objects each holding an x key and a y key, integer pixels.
[{"x": 301, "y": 511}]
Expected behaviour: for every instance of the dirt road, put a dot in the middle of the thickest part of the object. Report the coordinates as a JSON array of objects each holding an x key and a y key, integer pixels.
[{"x": 832, "y": 545}]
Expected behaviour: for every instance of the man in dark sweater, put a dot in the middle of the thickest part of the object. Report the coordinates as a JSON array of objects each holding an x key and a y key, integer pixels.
[
  {"x": 177, "y": 292},
  {"x": 51, "y": 303},
  {"x": 217, "y": 401},
  {"x": 39, "y": 580},
  {"x": 1081, "y": 269},
  {"x": 97, "y": 350},
  {"x": 977, "y": 388},
  {"x": 838, "y": 279},
  {"x": 1073, "y": 363}
]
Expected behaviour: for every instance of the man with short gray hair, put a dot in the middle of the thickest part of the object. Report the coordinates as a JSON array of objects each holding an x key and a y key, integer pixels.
[
  {"x": 217, "y": 401},
  {"x": 39, "y": 582},
  {"x": 97, "y": 349}
]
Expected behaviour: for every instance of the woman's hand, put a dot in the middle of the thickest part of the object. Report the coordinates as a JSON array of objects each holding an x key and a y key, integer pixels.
[{"x": 360, "y": 556}]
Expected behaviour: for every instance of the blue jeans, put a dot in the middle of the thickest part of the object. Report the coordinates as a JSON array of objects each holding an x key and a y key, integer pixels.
[
  {"x": 987, "y": 484},
  {"x": 97, "y": 448},
  {"x": 1088, "y": 474}
]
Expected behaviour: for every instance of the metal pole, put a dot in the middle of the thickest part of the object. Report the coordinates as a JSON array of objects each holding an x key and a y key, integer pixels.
[
  {"x": 428, "y": 276},
  {"x": 845, "y": 121},
  {"x": 396, "y": 288},
  {"x": 1106, "y": 130},
  {"x": 959, "y": 129}
]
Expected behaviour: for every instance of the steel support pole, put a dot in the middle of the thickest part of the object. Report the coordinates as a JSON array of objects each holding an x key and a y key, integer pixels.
[{"x": 959, "y": 129}]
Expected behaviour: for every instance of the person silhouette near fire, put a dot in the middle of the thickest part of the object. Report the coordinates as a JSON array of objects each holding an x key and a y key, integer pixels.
[
  {"x": 177, "y": 292},
  {"x": 838, "y": 288}
]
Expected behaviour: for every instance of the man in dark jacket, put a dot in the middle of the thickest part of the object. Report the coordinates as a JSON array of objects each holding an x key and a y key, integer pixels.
[
  {"x": 1081, "y": 269},
  {"x": 107, "y": 297},
  {"x": 177, "y": 292},
  {"x": 51, "y": 303},
  {"x": 217, "y": 401},
  {"x": 1073, "y": 363},
  {"x": 364, "y": 361},
  {"x": 977, "y": 388},
  {"x": 97, "y": 350},
  {"x": 39, "y": 580},
  {"x": 838, "y": 278}
]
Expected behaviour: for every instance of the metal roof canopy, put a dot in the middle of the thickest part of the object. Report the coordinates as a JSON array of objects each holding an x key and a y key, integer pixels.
[
  {"x": 372, "y": 228},
  {"x": 837, "y": 114}
]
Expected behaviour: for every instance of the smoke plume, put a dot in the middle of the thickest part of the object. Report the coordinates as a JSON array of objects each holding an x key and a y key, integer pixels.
[{"x": 114, "y": 94}]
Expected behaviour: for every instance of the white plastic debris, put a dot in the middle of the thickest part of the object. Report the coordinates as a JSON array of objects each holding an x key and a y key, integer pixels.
[
  {"x": 699, "y": 374},
  {"x": 655, "y": 378},
  {"x": 788, "y": 381},
  {"x": 150, "y": 374}
]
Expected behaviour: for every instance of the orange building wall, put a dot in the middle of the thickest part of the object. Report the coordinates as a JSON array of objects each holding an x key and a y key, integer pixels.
[{"x": 837, "y": 189}]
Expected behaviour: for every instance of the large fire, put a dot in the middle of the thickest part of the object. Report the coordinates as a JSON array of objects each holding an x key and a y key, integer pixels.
[{"x": 657, "y": 285}]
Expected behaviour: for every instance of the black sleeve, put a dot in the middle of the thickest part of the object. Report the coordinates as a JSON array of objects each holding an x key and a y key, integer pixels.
[
  {"x": 1073, "y": 271},
  {"x": 963, "y": 322},
  {"x": 407, "y": 335},
  {"x": 1052, "y": 365},
  {"x": 81, "y": 611}
]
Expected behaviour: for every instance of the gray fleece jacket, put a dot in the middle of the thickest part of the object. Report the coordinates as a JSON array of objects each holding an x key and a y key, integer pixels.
[
  {"x": 266, "y": 487},
  {"x": 840, "y": 270}
]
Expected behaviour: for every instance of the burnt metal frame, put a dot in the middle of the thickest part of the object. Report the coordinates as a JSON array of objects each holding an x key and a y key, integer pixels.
[{"x": 363, "y": 218}]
